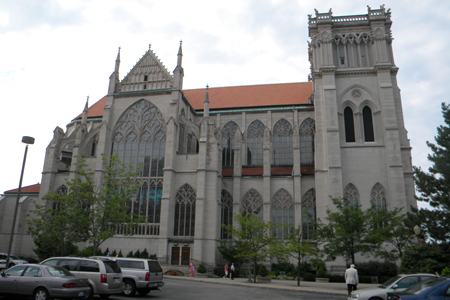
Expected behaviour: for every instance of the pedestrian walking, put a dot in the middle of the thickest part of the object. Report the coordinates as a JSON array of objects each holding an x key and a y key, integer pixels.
[
  {"x": 351, "y": 279},
  {"x": 191, "y": 270},
  {"x": 226, "y": 271},
  {"x": 232, "y": 271}
]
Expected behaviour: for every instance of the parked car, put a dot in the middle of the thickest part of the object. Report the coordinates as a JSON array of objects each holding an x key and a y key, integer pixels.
[
  {"x": 435, "y": 288},
  {"x": 13, "y": 260},
  {"x": 397, "y": 283},
  {"x": 140, "y": 275},
  {"x": 43, "y": 282},
  {"x": 104, "y": 275}
]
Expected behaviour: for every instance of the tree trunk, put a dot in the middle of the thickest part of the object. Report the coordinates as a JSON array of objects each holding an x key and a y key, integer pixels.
[{"x": 298, "y": 272}]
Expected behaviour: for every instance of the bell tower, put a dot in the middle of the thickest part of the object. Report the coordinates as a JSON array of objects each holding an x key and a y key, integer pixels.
[{"x": 361, "y": 140}]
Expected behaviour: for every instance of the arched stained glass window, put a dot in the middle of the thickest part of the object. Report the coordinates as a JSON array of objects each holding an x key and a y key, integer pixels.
[
  {"x": 228, "y": 138},
  {"x": 184, "y": 224},
  {"x": 307, "y": 131},
  {"x": 255, "y": 137},
  {"x": 368, "y": 124},
  {"x": 349, "y": 125},
  {"x": 352, "y": 194},
  {"x": 378, "y": 196},
  {"x": 282, "y": 143},
  {"x": 140, "y": 140},
  {"x": 226, "y": 213},
  {"x": 283, "y": 213},
  {"x": 308, "y": 213},
  {"x": 253, "y": 203},
  {"x": 62, "y": 190}
]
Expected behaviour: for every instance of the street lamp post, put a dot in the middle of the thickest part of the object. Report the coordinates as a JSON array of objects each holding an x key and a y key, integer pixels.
[
  {"x": 417, "y": 231},
  {"x": 29, "y": 141}
]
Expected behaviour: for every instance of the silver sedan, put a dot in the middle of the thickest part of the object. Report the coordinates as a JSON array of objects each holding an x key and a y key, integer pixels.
[{"x": 43, "y": 282}]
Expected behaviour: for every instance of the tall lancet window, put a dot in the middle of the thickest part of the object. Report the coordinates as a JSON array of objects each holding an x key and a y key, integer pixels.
[
  {"x": 283, "y": 213},
  {"x": 228, "y": 139},
  {"x": 282, "y": 143},
  {"x": 226, "y": 214},
  {"x": 368, "y": 124},
  {"x": 184, "y": 224},
  {"x": 307, "y": 131},
  {"x": 309, "y": 214},
  {"x": 378, "y": 198},
  {"x": 253, "y": 203},
  {"x": 349, "y": 125},
  {"x": 255, "y": 137},
  {"x": 352, "y": 194},
  {"x": 140, "y": 140}
]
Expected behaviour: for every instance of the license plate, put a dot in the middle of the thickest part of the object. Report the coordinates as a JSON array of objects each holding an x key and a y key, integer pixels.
[
  {"x": 116, "y": 280},
  {"x": 81, "y": 294}
]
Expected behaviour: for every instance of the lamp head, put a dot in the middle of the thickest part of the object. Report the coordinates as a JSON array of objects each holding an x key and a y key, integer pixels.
[
  {"x": 28, "y": 140},
  {"x": 417, "y": 230}
]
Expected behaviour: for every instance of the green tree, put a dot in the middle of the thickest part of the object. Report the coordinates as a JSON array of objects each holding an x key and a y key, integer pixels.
[
  {"x": 348, "y": 231},
  {"x": 253, "y": 238},
  {"x": 230, "y": 251},
  {"x": 434, "y": 185},
  {"x": 88, "y": 212},
  {"x": 296, "y": 247}
]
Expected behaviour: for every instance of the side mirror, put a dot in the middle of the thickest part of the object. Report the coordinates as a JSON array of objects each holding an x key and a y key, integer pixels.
[
  {"x": 395, "y": 286},
  {"x": 3, "y": 274}
]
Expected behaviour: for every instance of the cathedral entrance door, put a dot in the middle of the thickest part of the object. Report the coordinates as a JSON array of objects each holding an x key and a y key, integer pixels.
[
  {"x": 175, "y": 256},
  {"x": 185, "y": 256}
]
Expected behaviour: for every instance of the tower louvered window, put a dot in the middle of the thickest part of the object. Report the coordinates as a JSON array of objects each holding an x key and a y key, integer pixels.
[
  {"x": 140, "y": 140},
  {"x": 282, "y": 143}
]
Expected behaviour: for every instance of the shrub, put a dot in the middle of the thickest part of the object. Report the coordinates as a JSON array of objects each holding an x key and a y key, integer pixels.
[
  {"x": 219, "y": 271},
  {"x": 286, "y": 267},
  {"x": 120, "y": 253},
  {"x": 137, "y": 254},
  {"x": 130, "y": 254},
  {"x": 153, "y": 256},
  {"x": 383, "y": 279},
  {"x": 86, "y": 252},
  {"x": 321, "y": 268},
  {"x": 365, "y": 279},
  {"x": 309, "y": 277},
  {"x": 337, "y": 278},
  {"x": 114, "y": 253},
  {"x": 144, "y": 254},
  {"x": 305, "y": 267},
  {"x": 445, "y": 272},
  {"x": 201, "y": 269},
  {"x": 263, "y": 271},
  {"x": 104, "y": 253},
  {"x": 377, "y": 268}
]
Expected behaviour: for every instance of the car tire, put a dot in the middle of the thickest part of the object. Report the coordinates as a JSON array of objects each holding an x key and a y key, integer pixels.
[
  {"x": 104, "y": 296},
  {"x": 376, "y": 298},
  {"x": 130, "y": 288},
  {"x": 41, "y": 294},
  {"x": 143, "y": 292}
]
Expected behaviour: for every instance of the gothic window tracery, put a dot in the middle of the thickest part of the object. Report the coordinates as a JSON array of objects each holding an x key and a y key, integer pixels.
[
  {"x": 378, "y": 196},
  {"x": 307, "y": 132},
  {"x": 282, "y": 143},
  {"x": 283, "y": 213},
  {"x": 349, "y": 125},
  {"x": 309, "y": 213},
  {"x": 228, "y": 140},
  {"x": 226, "y": 213},
  {"x": 352, "y": 194},
  {"x": 184, "y": 224},
  {"x": 253, "y": 203},
  {"x": 140, "y": 140},
  {"x": 255, "y": 137}
]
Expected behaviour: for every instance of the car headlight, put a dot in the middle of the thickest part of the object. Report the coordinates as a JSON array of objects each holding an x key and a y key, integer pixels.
[{"x": 355, "y": 296}]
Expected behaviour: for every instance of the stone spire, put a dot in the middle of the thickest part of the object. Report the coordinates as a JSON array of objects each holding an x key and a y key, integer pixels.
[
  {"x": 114, "y": 78},
  {"x": 206, "y": 103},
  {"x": 85, "y": 112},
  {"x": 178, "y": 73}
]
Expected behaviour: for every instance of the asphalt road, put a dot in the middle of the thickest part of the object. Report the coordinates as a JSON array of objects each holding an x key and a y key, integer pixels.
[{"x": 185, "y": 289}]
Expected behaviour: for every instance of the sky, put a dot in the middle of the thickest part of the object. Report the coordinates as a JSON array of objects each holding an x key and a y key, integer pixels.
[{"x": 54, "y": 54}]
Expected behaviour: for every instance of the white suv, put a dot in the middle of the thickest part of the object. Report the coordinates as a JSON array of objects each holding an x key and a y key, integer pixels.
[{"x": 13, "y": 260}]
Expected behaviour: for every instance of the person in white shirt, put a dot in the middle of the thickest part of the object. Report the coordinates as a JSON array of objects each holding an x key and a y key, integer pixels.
[
  {"x": 232, "y": 272},
  {"x": 351, "y": 279}
]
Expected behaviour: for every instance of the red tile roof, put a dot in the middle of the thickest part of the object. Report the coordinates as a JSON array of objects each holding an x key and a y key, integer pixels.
[
  {"x": 31, "y": 189},
  {"x": 236, "y": 96},
  {"x": 95, "y": 110},
  {"x": 252, "y": 95}
]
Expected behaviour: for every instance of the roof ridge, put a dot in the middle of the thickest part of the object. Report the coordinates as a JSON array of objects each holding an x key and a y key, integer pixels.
[{"x": 230, "y": 86}]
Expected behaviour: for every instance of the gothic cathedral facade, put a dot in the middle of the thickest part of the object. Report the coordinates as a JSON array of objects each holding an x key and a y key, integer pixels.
[{"x": 277, "y": 150}]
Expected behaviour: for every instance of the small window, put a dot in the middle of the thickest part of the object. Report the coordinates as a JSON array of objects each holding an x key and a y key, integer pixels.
[
  {"x": 349, "y": 125},
  {"x": 145, "y": 86},
  {"x": 145, "y": 77},
  {"x": 342, "y": 60},
  {"x": 89, "y": 266}
]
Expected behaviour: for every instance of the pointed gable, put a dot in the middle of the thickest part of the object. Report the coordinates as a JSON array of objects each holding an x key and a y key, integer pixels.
[{"x": 147, "y": 74}]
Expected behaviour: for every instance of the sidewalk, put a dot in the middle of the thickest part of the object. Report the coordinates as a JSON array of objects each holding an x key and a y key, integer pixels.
[{"x": 335, "y": 288}]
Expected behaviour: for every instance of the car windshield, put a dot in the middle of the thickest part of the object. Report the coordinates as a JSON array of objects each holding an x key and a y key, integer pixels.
[
  {"x": 390, "y": 281},
  {"x": 424, "y": 285},
  {"x": 56, "y": 271}
]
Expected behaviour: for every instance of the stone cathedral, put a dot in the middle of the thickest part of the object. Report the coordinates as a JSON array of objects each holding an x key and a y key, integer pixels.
[{"x": 277, "y": 150}]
